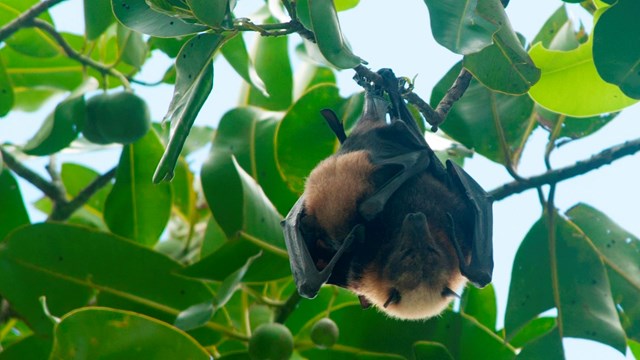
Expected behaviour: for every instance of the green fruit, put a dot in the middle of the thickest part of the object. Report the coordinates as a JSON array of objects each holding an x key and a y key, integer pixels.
[
  {"x": 121, "y": 117},
  {"x": 325, "y": 333},
  {"x": 271, "y": 341}
]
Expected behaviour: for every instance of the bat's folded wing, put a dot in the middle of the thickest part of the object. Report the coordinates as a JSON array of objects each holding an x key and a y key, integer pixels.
[{"x": 306, "y": 275}]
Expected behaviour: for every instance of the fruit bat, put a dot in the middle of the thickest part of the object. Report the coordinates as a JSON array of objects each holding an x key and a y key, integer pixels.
[{"x": 386, "y": 219}]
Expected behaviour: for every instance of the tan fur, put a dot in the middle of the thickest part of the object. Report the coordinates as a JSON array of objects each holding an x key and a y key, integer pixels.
[
  {"x": 421, "y": 302},
  {"x": 334, "y": 188}
]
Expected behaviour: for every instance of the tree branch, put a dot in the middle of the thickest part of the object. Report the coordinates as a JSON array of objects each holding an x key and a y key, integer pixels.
[
  {"x": 73, "y": 54},
  {"x": 433, "y": 117},
  {"x": 605, "y": 157},
  {"x": 11, "y": 27},
  {"x": 32, "y": 177},
  {"x": 64, "y": 210}
]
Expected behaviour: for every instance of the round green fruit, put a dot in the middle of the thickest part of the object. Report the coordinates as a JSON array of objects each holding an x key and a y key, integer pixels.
[
  {"x": 325, "y": 333},
  {"x": 121, "y": 117},
  {"x": 271, "y": 341}
]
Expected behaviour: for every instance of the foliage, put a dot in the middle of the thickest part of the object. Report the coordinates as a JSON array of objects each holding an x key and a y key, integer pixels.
[{"x": 130, "y": 265}]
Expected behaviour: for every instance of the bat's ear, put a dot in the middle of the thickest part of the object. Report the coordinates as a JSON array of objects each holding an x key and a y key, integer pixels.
[{"x": 334, "y": 123}]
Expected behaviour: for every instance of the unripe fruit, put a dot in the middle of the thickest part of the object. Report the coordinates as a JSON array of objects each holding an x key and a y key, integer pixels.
[
  {"x": 271, "y": 341},
  {"x": 121, "y": 117},
  {"x": 325, "y": 333}
]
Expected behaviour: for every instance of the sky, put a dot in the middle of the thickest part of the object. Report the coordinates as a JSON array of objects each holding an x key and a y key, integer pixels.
[{"x": 398, "y": 36}]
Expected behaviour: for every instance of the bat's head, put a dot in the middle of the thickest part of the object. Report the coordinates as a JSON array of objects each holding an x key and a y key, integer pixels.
[{"x": 412, "y": 279}]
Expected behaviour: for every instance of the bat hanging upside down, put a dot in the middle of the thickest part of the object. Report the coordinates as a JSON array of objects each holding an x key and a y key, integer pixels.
[{"x": 384, "y": 218}]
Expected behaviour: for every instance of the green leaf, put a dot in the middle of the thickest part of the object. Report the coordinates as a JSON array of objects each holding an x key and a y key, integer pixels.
[
  {"x": 208, "y": 12},
  {"x": 194, "y": 82},
  {"x": 558, "y": 32},
  {"x": 32, "y": 347},
  {"x": 136, "y": 208},
  {"x": 235, "y": 52},
  {"x": 329, "y": 37},
  {"x": 247, "y": 217},
  {"x": 198, "y": 315},
  {"x": 309, "y": 75},
  {"x": 61, "y": 126},
  {"x": 98, "y": 16},
  {"x": 138, "y": 16},
  {"x": 426, "y": 350},
  {"x": 571, "y": 128},
  {"x": 458, "y": 26},
  {"x": 360, "y": 333},
  {"x": 58, "y": 72},
  {"x": 533, "y": 330},
  {"x": 635, "y": 348},
  {"x": 12, "y": 210},
  {"x": 27, "y": 40},
  {"x": 570, "y": 83},
  {"x": 504, "y": 66},
  {"x": 548, "y": 346},
  {"x": 477, "y": 119},
  {"x": 481, "y": 305},
  {"x": 32, "y": 99},
  {"x": 616, "y": 49},
  {"x": 102, "y": 333},
  {"x": 304, "y": 130},
  {"x": 245, "y": 133},
  {"x": 132, "y": 47},
  {"x": 342, "y": 5},
  {"x": 544, "y": 277},
  {"x": 170, "y": 46},
  {"x": 7, "y": 96},
  {"x": 75, "y": 265},
  {"x": 620, "y": 252},
  {"x": 273, "y": 65}
]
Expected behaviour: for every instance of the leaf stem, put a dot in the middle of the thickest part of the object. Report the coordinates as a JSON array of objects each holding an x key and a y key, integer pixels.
[
  {"x": 288, "y": 307},
  {"x": 73, "y": 54}
]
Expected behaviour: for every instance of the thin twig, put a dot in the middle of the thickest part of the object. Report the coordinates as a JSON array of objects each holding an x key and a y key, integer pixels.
[
  {"x": 73, "y": 54},
  {"x": 32, "y": 177},
  {"x": 289, "y": 306},
  {"x": 434, "y": 117},
  {"x": 64, "y": 210},
  {"x": 19, "y": 22},
  {"x": 605, "y": 157}
]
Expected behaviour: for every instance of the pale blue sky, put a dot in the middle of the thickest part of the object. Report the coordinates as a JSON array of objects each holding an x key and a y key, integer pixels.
[{"x": 397, "y": 35}]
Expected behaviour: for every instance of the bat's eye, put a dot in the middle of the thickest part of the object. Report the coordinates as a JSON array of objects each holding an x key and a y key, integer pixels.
[
  {"x": 446, "y": 292},
  {"x": 394, "y": 297}
]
